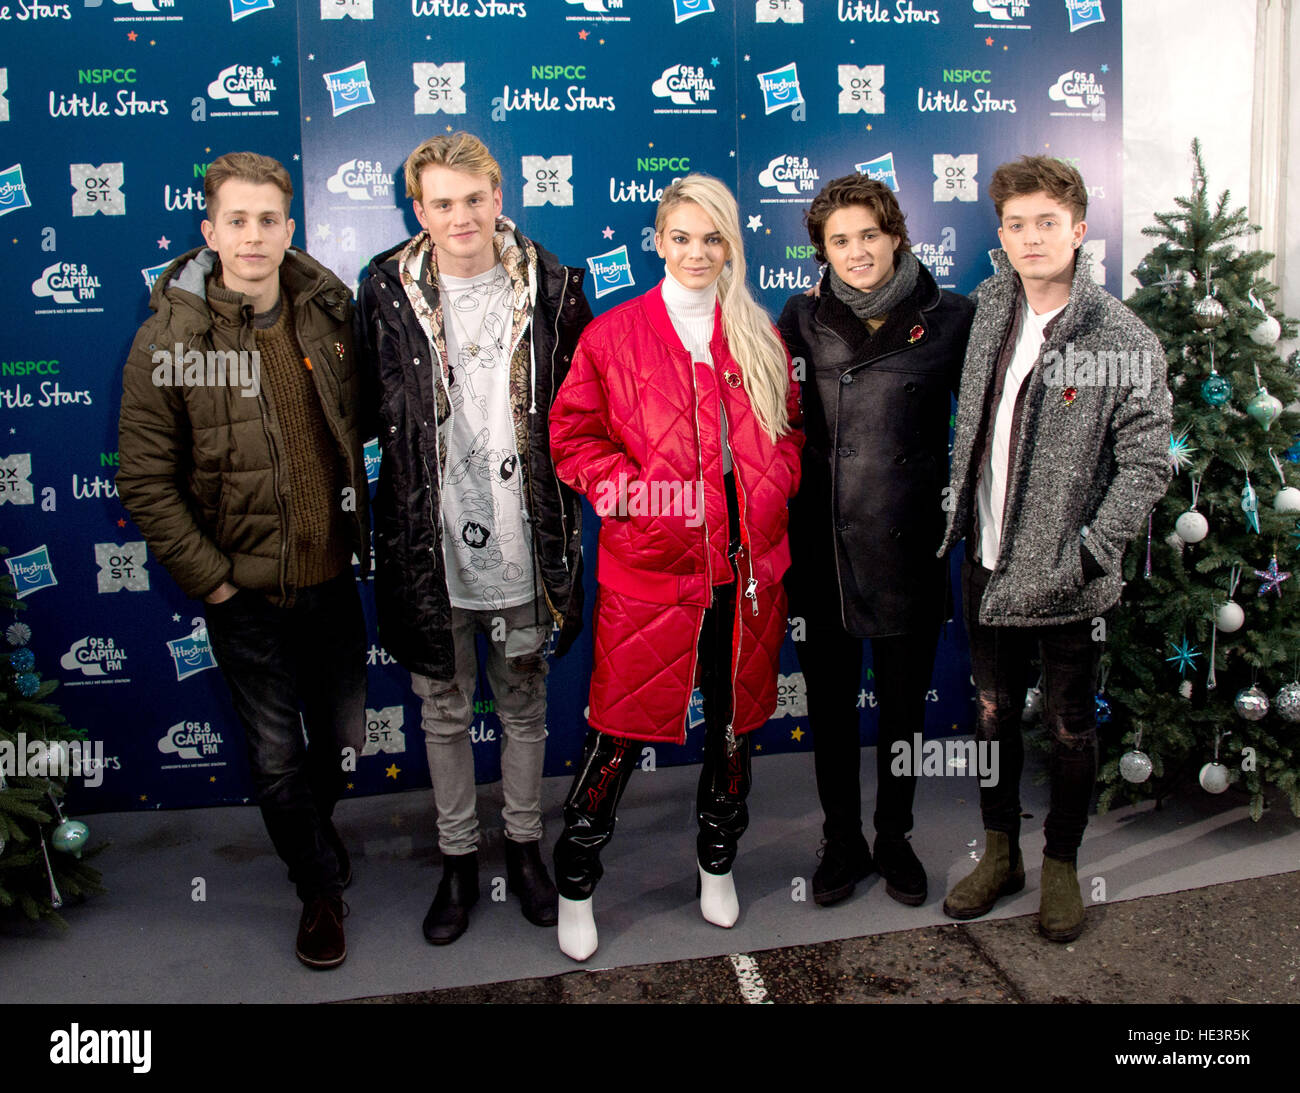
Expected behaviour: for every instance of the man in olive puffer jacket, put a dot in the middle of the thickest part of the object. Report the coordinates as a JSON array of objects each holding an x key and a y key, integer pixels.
[{"x": 240, "y": 461}]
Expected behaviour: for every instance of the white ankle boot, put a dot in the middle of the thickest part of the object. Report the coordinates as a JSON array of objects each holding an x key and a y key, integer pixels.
[
  {"x": 718, "y": 901},
  {"x": 576, "y": 928}
]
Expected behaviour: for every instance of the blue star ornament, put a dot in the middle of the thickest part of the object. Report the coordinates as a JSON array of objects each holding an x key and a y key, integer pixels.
[
  {"x": 1180, "y": 451},
  {"x": 1270, "y": 579},
  {"x": 1185, "y": 655}
]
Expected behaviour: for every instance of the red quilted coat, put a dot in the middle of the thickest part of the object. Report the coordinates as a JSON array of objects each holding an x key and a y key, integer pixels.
[{"x": 637, "y": 422}]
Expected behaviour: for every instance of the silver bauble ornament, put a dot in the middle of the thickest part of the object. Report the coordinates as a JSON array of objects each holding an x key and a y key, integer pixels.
[
  {"x": 1251, "y": 703},
  {"x": 1287, "y": 500},
  {"x": 1192, "y": 527},
  {"x": 1266, "y": 331},
  {"x": 1287, "y": 702},
  {"x": 1135, "y": 766},
  {"x": 1214, "y": 777},
  {"x": 1208, "y": 312},
  {"x": 1230, "y": 618}
]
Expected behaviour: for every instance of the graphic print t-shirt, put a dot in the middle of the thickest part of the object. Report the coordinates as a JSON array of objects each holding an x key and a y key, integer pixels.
[{"x": 488, "y": 549}]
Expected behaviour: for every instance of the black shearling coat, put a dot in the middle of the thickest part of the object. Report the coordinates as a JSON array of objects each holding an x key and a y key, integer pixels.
[{"x": 876, "y": 412}]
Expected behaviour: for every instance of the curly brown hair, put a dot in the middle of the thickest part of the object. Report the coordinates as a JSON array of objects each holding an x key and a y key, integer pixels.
[
  {"x": 246, "y": 167},
  {"x": 1040, "y": 174},
  {"x": 847, "y": 190}
]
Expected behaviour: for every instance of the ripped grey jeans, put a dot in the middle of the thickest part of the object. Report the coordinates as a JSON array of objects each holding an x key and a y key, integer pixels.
[{"x": 516, "y": 670}]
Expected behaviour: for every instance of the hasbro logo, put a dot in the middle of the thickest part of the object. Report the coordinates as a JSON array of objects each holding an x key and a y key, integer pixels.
[
  {"x": 13, "y": 191},
  {"x": 240, "y": 8},
  {"x": 152, "y": 273},
  {"x": 611, "y": 271},
  {"x": 31, "y": 571},
  {"x": 780, "y": 88},
  {"x": 696, "y": 708},
  {"x": 371, "y": 453},
  {"x": 881, "y": 169},
  {"x": 349, "y": 88},
  {"x": 192, "y": 654},
  {"x": 1083, "y": 13},
  {"x": 688, "y": 9}
]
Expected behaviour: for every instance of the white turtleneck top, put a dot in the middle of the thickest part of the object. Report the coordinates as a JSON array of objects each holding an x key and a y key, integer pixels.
[{"x": 691, "y": 310}]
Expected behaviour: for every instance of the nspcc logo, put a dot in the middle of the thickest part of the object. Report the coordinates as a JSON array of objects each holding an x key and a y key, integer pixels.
[
  {"x": 439, "y": 88},
  {"x": 687, "y": 87},
  {"x": 954, "y": 178},
  {"x": 778, "y": 11},
  {"x": 351, "y": 9},
  {"x": 788, "y": 174},
  {"x": 15, "y": 480},
  {"x": 862, "y": 89},
  {"x": 611, "y": 271},
  {"x": 361, "y": 180},
  {"x": 546, "y": 181},
  {"x": 349, "y": 88},
  {"x": 1084, "y": 13},
  {"x": 13, "y": 191},
  {"x": 780, "y": 88},
  {"x": 1081, "y": 93},
  {"x": 97, "y": 189}
]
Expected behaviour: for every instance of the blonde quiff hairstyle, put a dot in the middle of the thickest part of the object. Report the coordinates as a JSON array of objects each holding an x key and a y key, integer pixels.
[
  {"x": 754, "y": 344},
  {"x": 459, "y": 151}
]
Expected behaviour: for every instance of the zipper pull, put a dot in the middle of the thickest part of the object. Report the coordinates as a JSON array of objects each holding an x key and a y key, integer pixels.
[{"x": 751, "y": 592}]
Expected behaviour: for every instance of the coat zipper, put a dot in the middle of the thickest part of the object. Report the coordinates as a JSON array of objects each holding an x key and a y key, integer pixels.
[{"x": 708, "y": 571}]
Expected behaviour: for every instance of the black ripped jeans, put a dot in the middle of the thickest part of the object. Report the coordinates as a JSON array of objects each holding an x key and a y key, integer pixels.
[
  {"x": 608, "y": 761},
  {"x": 1000, "y": 662}
]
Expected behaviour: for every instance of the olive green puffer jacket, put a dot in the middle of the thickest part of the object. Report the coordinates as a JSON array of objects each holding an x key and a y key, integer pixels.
[{"x": 201, "y": 464}]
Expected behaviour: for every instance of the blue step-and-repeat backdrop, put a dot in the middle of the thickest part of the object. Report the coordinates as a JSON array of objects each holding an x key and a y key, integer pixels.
[{"x": 110, "y": 110}]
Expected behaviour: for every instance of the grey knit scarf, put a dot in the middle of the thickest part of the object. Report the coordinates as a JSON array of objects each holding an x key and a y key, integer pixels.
[{"x": 872, "y": 305}]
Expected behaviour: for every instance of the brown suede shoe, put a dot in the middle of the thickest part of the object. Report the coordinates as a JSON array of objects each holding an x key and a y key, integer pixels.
[
  {"x": 320, "y": 932},
  {"x": 995, "y": 876},
  {"x": 1060, "y": 910}
]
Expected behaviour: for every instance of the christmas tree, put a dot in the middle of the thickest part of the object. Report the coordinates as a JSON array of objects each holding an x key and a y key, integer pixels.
[
  {"x": 1202, "y": 659},
  {"x": 41, "y": 860}
]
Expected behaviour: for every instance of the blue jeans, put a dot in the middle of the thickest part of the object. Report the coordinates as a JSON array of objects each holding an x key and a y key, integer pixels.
[{"x": 290, "y": 668}]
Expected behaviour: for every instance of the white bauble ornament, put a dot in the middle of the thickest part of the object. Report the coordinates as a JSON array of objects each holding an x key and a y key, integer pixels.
[
  {"x": 1266, "y": 331},
  {"x": 1287, "y": 500},
  {"x": 1214, "y": 777},
  {"x": 1251, "y": 703},
  {"x": 1287, "y": 702},
  {"x": 1135, "y": 766},
  {"x": 1230, "y": 618},
  {"x": 1192, "y": 527}
]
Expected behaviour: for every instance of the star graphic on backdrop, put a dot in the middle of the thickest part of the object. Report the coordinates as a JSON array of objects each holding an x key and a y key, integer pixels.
[
  {"x": 449, "y": 129},
  {"x": 144, "y": 797},
  {"x": 296, "y": 156},
  {"x": 754, "y": 223},
  {"x": 798, "y": 734},
  {"x": 428, "y": 37},
  {"x": 1185, "y": 655},
  {"x": 767, "y": 231},
  {"x": 608, "y": 233},
  {"x": 732, "y": 153},
  {"x": 568, "y": 762},
  {"x": 350, "y": 785},
  {"x": 715, "y": 62},
  {"x": 164, "y": 243},
  {"x": 212, "y": 778},
  {"x": 323, "y": 231},
  {"x": 988, "y": 41},
  {"x": 868, "y": 127},
  {"x": 602, "y": 41},
  {"x": 747, "y": 56},
  {"x": 758, "y": 747},
  {"x": 311, "y": 56},
  {"x": 12, "y": 431},
  {"x": 583, "y": 34},
  {"x": 120, "y": 522},
  {"x": 1271, "y": 578},
  {"x": 1105, "y": 68},
  {"x": 275, "y": 60},
  {"x": 176, "y": 618},
  {"x": 392, "y": 772},
  {"x": 132, "y": 36}
]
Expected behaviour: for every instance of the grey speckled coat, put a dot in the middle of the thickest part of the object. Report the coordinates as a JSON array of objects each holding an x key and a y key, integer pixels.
[{"x": 1092, "y": 458}]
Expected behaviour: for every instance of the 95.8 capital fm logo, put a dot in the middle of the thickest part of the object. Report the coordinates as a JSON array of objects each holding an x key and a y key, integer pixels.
[
  {"x": 363, "y": 180},
  {"x": 688, "y": 87},
  {"x": 1082, "y": 94},
  {"x": 70, "y": 285},
  {"x": 248, "y": 90}
]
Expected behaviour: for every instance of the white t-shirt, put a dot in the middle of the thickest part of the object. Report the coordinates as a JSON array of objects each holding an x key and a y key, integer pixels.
[
  {"x": 991, "y": 494},
  {"x": 487, "y": 546}
]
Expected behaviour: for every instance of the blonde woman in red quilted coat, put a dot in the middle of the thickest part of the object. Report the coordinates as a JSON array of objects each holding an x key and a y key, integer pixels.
[{"x": 679, "y": 422}]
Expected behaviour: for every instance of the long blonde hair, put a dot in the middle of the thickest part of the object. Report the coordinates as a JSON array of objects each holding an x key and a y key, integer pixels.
[{"x": 754, "y": 344}]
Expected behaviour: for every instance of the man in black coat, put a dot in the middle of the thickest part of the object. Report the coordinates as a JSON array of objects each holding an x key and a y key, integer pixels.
[
  {"x": 881, "y": 348},
  {"x": 469, "y": 328}
]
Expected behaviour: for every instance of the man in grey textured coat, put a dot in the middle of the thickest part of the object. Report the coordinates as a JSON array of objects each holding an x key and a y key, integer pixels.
[{"x": 1061, "y": 452}]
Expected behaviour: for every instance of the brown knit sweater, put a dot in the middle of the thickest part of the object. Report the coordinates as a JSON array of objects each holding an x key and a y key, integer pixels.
[{"x": 317, "y": 545}]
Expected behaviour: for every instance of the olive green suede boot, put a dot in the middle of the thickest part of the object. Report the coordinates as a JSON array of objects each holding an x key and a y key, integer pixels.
[
  {"x": 1060, "y": 912},
  {"x": 995, "y": 876}
]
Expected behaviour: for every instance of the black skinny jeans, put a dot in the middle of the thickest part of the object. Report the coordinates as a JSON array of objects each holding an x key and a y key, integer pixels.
[{"x": 1000, "y": 663}]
